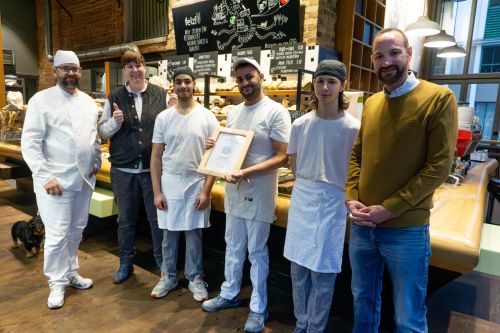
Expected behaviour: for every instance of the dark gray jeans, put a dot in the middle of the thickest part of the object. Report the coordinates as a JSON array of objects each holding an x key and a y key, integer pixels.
[
  {"x": 128, "y": 189},
  {"x": 312, "y": 297}
]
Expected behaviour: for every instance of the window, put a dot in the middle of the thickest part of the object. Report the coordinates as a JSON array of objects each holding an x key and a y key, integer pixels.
[
  {"x": 474, "y": 78},
  {"x": 490, "y": 60},
  {"x": 145, "y": 19}
]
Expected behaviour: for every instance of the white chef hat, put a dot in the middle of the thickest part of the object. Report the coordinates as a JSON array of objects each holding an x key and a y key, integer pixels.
[{"x": 65, "y": 57}]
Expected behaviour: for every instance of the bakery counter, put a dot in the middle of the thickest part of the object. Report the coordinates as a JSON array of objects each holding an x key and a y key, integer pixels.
[
  {"x": 456, "y": 219},
  {"x": 11, "y": 151}
]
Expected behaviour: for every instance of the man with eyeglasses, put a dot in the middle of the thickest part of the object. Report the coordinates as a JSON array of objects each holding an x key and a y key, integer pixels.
[
  {"x": 60, "y": 145},
  {"x": 128, "y": 121}
]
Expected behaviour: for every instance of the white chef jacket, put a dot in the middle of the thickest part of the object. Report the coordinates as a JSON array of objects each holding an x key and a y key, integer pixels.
[
  {"x": 59, "y": 138},
  {"x": 269, "y": 121}
]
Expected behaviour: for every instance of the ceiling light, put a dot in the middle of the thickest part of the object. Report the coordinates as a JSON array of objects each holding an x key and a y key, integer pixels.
[
  {"x": 442, "y": 39},
  {"x": 451, "y": 52},
  {"x": 422, "y": 27}
]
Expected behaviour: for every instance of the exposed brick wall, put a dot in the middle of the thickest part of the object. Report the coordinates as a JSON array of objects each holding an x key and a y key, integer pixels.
[
  {"x": 94, "y": 24},
  {"x": 100, "y": 23}
]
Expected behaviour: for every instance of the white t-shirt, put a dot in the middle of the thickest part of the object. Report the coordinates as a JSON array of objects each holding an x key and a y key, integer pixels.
[
  {"x": 184, "y": 137},
  {"x": 323, "y": 147},
  {"x": 269, "y": 121}
]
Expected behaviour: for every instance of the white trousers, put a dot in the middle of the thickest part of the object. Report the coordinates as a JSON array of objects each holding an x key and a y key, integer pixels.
[
  {"x": 240, "y": 235},
  {"x": 64, "y": 218}
]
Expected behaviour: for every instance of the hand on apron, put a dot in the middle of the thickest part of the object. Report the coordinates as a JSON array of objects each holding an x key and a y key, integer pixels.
[
  {"x": 202, "y": 201},
  {"x": 160, "y": 201}
]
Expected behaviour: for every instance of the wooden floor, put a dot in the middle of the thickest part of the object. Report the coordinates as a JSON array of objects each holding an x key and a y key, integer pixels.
[
  {"x": 104, "y": 308},
  {"x": 469, "y": 304}
]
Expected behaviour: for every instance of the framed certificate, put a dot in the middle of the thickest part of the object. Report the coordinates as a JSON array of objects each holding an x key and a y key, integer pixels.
[{"x": 228, "y": 153}]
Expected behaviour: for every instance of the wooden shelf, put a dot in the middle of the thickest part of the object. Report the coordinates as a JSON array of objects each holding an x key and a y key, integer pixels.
[{"x": 267, "y": 92}]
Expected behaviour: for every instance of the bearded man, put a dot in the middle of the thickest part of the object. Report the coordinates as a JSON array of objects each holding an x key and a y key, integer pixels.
[
  {"x": 403, "y": 153},
  {"x": 61, "y": 147}
]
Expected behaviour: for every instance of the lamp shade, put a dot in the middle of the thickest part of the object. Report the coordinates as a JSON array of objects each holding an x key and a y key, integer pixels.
[
  {"x": 422, "y": 27},
  {"x": 451, "y": 52},
  {"x": 442, "y": 39}
]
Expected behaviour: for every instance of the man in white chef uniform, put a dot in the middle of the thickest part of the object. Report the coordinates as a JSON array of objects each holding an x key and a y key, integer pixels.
[
  {"x": 182, "y": 195},
  {"x": 60, "y": 145},
  {"x": 250, "y": 195}
]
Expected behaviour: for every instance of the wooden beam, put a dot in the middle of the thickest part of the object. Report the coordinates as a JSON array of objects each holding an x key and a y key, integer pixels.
[
  {"x": 107, "y": 73},
  {"x": 2, "y": 74}
]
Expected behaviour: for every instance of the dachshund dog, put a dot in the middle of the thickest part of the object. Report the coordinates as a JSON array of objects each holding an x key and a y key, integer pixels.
[{"x": 31, "y": 234}]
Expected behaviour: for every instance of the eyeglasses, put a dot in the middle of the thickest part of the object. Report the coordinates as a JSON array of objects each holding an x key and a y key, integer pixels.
[{"x": 67, "y": 69}]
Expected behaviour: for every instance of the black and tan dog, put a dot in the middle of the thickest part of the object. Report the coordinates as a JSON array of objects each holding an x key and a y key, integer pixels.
[{"x": 31, "y": 234}]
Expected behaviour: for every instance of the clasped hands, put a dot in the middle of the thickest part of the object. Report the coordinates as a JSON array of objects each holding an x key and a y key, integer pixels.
[{"x": 368, "y": 216}]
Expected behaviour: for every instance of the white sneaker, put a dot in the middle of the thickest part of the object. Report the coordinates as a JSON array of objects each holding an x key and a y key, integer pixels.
[
  {"x": 163, "y": 287},
  {"x": 79, "y": 282},
  {"x": 56, "y": 297},
  {"x": 199, "y": 288}
]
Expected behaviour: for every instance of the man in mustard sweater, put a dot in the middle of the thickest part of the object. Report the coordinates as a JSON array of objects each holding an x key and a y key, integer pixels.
[{"x": 403, "y": 153}]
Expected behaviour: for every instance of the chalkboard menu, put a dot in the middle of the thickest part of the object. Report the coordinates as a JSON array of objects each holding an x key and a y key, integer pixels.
[
  {"x": 287, "y": 58},
  {"x": 296, "y": 114},
  {"x": 174, "y": 62},
  {"x": 222, "y": 25},
  {"x": 205, "y": 63},
  {"x": 251, "y": 52}
]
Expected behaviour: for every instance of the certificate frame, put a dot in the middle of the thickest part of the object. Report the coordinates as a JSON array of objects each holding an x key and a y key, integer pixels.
[{"x": 228, "y": 153}]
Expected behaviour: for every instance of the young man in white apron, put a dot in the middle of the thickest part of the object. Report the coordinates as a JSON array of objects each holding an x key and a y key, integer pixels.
[
  {"x": 250, "y": 195},
  {"x": 319, "y": 149},
  {"x": 182, "y": 195}
]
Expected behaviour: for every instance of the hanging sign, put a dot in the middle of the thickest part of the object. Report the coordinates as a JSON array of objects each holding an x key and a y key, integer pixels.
[
  {"x": 287, "y": 58},
  {"x": 175, "y": 62},
  {"x": 222, "y": 25},
  {"x": 251, "y": 52},
  {"x": 205, "y": 63}
]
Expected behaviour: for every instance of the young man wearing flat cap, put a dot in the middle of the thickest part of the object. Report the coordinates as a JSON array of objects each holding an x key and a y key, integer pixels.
[
  {"x": 63, "y": 174},
  {"x": 128, "y": 120},
  {"x": 319, "y": 149},
  {"x": 181, "y": 194},
  {"x": 250, "y": 194}
]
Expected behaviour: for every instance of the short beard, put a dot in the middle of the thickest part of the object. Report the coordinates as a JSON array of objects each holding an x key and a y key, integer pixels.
[
  {"x": 255, "y": 91},
  {"x": 393, "y": 79},
  {"x": 63, "y": 82}
]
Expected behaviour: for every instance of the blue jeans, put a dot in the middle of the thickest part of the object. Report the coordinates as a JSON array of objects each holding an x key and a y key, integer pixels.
[
  {"x": 194, "y": 249},
  {"x": 128, "y": 189},
  {"x": 406, "y": 252},
  {"x": 312, "y": 297}
]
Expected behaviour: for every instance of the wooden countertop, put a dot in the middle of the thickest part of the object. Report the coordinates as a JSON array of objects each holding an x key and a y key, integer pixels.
[{"x": 456, "y": 219}]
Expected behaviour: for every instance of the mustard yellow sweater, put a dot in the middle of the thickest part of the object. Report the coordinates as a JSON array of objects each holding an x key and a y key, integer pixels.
[{"x": 403, "y": 152}]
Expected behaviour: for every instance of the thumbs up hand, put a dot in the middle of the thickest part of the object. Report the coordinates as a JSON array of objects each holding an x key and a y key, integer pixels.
[{"x": 117, "y": 114}]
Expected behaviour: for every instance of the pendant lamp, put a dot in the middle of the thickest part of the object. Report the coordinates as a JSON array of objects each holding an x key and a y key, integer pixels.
[
  {"x": 451, "y": 52},
  {"x": 423, "y": 26},
  {"x": 442, "y": 39}
]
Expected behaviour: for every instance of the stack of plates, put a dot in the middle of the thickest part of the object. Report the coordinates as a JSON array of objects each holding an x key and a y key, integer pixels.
[{"x": 465, "y": 118}]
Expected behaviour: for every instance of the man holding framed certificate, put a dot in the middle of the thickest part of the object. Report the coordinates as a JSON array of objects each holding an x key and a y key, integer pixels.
[{"x": 250, "y": 194}]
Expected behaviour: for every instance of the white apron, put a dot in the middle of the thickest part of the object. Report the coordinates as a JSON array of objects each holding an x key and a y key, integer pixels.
[
  {"x": 316, "y": 226},
  {"x": 181, "y": 192}
]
